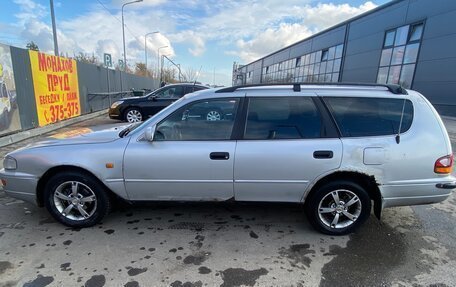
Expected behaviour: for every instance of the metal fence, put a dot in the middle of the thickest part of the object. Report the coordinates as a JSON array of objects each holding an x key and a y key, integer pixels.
[
  {"x": 98, "y": 87},
  {"x": 99, "y": 101}
]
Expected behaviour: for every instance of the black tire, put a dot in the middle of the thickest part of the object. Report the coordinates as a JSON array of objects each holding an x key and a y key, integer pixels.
[
  {"x": 324, "y": 196},
  {"x": 125, "y": 114},
  {"x": 102, "y": 203}
]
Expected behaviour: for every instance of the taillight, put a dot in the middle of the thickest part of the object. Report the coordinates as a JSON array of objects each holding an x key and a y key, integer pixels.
[{"x": 444, "y": 164}]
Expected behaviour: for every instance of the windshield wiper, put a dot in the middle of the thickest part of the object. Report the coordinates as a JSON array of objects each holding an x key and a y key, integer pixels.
[
  {"x": 128, "y": 129},
  {"x": 125, "y": 131}
]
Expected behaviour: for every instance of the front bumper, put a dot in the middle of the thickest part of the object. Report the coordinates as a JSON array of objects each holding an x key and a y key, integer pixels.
[
  {"x": 19, "y": 185},
  {"x": 115, "y": 113}
]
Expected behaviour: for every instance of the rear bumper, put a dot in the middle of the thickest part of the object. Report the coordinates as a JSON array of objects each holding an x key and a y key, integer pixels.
[
  {"x": 20, "y": 186},
  {"x": 417, "y": 193}
]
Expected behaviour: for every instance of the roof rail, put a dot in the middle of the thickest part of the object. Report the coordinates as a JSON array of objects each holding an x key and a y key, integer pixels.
[{"x": 395, "y": 89}]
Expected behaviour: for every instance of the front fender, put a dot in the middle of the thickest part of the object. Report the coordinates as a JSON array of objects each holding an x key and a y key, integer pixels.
[{"x": 93, "y": 158}]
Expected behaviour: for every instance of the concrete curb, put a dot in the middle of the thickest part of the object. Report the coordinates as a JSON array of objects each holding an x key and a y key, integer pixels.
[{"x": 20, "y": 136}]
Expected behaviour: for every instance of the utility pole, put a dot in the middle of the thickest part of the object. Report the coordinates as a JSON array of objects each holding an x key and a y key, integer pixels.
[
  {"x": 158, "y": 62},
  {"x": 123, "y": 32},
  {"x": 54, "y": 29},
  {"x": 177, "y": 66}
]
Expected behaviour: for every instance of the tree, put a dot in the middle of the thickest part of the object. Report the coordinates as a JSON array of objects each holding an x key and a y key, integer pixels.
[
  {"x": 169, "y": 75},
  {"x": 32, "y": 46},
  {"x": 190, "y": 75},
  {"x": 141, "y": 70},
  {"x": 85, "y": 58}
]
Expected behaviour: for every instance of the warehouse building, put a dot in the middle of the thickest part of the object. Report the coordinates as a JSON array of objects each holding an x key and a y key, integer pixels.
[{"x": 406, "y": 42}]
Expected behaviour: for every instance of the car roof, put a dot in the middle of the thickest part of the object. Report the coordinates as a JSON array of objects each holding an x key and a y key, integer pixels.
[
  {"x": 185, "y": 84},
  {"x": 320, "y": 89},
  {"x": 297, "y": 87}
]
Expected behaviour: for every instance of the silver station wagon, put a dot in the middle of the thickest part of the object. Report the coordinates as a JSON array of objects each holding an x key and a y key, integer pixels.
[{"x": 339, "y": 150}]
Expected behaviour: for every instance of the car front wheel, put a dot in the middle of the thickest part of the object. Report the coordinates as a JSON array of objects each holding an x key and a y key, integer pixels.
[
  {"x": 133, "y": 115},
  {"x": 338, "y": 208},
  {"x": 76, "y": 199}
]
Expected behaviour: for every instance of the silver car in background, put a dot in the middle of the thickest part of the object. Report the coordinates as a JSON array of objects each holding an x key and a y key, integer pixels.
[{"x": 339, "y": 150}]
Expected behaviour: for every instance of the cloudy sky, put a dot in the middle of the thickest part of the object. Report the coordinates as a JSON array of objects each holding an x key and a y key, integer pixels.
[{"x": 211, "y": 34}]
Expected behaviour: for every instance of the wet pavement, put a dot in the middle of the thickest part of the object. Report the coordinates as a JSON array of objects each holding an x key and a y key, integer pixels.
[{"x": 225, "y": 244}]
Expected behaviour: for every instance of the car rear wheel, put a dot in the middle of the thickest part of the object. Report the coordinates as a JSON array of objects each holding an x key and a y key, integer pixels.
[
  {"x": 338, "y": 208},
  {"x": 76, "y": 199},
  {"x": 133, "y": 115},
  {"x": 214, "y": 115}
]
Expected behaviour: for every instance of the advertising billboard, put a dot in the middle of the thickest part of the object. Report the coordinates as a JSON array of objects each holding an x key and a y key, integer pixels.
[
  {"x": 9, "y": 113},
  {"x": 55, "y": 82}
]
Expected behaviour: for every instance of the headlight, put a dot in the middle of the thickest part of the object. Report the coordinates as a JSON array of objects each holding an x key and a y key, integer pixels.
[
  {"x": 9, "y": 163},
  {"x": 115, "y": 104}
]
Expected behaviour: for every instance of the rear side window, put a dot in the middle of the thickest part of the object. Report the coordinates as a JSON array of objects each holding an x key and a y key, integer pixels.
[
  {"x": 282, "y": 118},
  {"x": 358, "y": 117}
]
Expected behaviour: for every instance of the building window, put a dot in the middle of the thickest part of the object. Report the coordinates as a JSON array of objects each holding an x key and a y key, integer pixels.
[
  {"x": 415, "y": 32},
  {"x": 249, "y": 79},
  {"x": 389, "y": 38},
  {"x": 318, "y": 66},
  {"x": 324, "y": 55},
  {"x": 399, "y": 55}
]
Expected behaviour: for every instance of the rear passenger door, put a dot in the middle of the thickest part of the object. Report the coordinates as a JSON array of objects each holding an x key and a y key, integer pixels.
[{"x": 284, "y": 147}]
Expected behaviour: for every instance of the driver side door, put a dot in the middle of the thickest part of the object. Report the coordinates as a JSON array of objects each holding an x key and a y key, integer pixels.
[{"x": 190, "y": 158}]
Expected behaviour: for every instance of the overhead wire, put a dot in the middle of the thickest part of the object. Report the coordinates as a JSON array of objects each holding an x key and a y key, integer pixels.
[{"x": 120, "y": 21}]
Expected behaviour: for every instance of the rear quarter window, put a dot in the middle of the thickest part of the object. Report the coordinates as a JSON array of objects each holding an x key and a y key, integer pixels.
[{"x": 357, "y": 117}]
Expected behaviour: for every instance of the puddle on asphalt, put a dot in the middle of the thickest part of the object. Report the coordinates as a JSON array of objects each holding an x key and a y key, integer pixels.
[
  {"x": 233, "y": 277},
  {"x": 40, "y": 281},
  {"x": 371, "y": 253},
  {"x": 297, "y": 255}
]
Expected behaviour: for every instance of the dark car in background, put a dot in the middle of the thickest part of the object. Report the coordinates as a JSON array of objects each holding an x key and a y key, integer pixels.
[{"x": 137, "y": 109}]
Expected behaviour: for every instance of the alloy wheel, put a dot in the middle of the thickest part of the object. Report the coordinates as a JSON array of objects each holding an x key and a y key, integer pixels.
[
  {"x": 213, "y": 116},
  {"x": 134, "y": 116},
  {"x": 339, "y": 208},
  {"x": 75, "y": 200}
]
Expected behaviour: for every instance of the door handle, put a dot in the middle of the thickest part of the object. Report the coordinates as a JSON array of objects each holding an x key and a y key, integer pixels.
[
  {"x": 219, "y": 155},
  {"x": 323, "y": 154}
]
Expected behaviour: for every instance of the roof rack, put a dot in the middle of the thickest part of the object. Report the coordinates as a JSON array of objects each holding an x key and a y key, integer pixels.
[{"x": 395, "y": 89}]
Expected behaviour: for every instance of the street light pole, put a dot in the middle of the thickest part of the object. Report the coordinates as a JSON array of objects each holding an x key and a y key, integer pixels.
[
  {"x": 123, "y": 32},
  {"x": 145, "y": 46},
  {"x": 54, "y": 29},
  {"x": 158, "y": 61}
]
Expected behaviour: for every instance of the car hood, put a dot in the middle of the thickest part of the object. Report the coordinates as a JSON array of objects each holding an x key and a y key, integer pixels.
[{"x": 83, "y": 135}]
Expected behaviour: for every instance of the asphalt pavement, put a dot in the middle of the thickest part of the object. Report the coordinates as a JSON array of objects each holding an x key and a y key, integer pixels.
[{"x": 225, "y": 244}]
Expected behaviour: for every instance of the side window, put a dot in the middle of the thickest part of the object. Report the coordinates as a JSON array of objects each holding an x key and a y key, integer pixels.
[
  {"x": 282, "y": 118},
  {"x": 171, "y": 92},
  {"x": 203, "y": 120},
  {"x": 198, "y": 88},
  {"x": 358, "y": 117},
  {"x": 188, "y": 89}
]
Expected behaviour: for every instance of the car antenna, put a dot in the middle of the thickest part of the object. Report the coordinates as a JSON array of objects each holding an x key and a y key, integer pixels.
[
  {"x": 197, "y": 75},
  {"x": 398, "y": 136}
]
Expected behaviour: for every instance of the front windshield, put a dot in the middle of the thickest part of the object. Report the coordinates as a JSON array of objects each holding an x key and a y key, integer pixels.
[{"x": 136, "y": 126}]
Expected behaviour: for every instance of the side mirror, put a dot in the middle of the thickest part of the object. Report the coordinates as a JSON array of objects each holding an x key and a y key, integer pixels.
[
  {"x": 153, "y": 98},
  {"x": 149, "y": 134}
]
